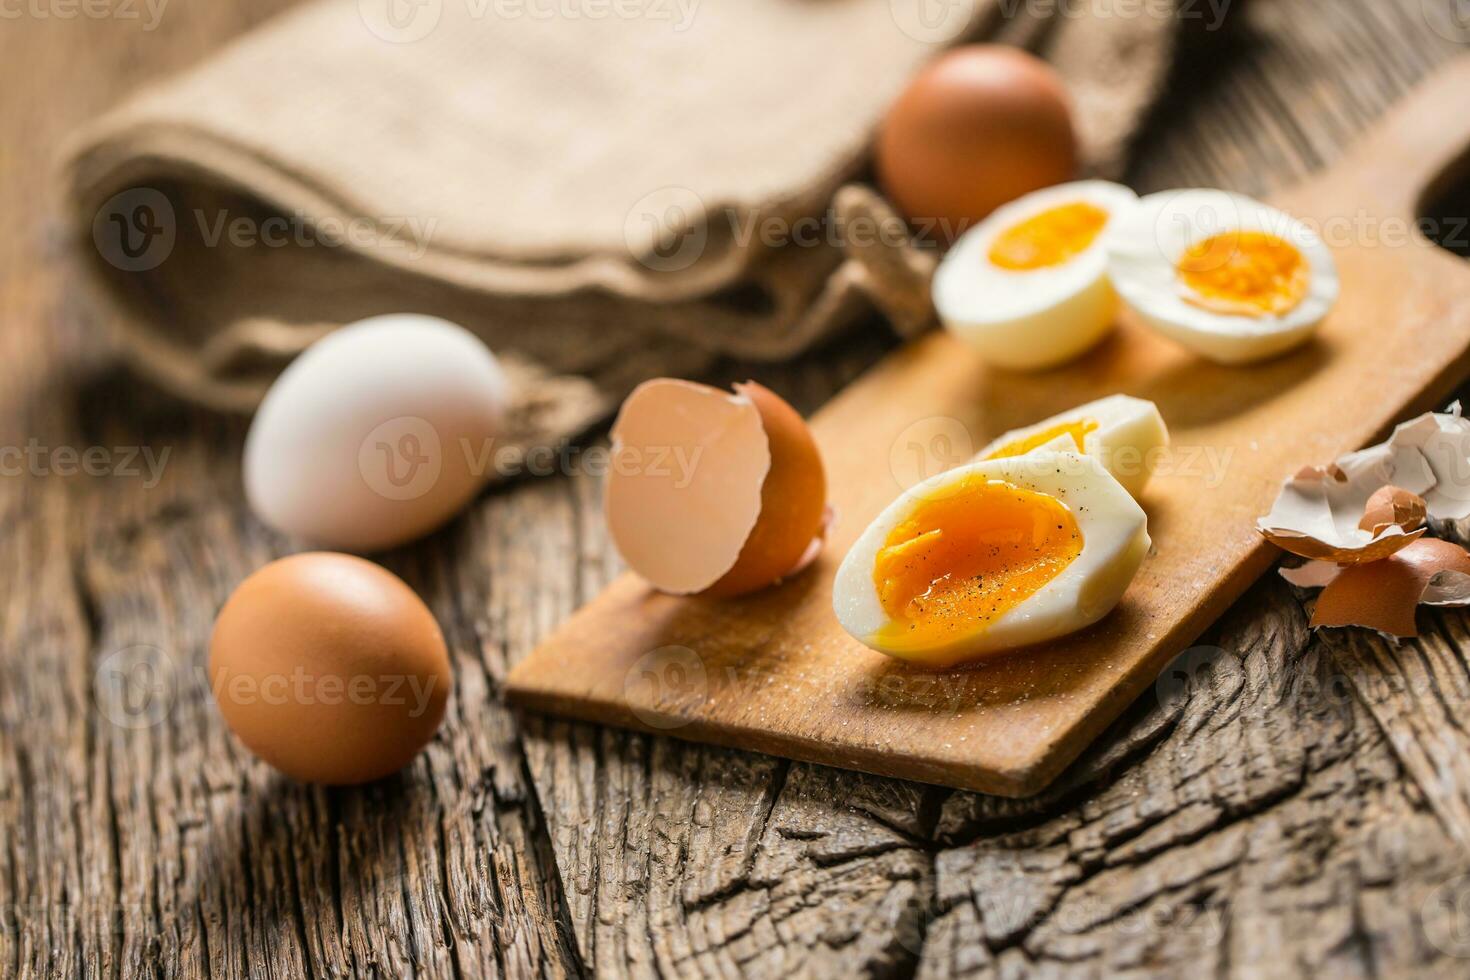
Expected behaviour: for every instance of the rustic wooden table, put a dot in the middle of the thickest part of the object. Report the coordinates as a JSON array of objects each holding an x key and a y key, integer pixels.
[{"x": 1289, "y": 805}]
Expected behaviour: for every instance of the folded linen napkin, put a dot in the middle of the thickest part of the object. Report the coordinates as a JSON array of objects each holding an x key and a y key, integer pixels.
[{"x": 604, "y": 190}]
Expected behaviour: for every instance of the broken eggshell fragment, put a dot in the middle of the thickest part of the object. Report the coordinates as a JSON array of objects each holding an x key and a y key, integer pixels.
[
  {"x": 1322, "y": 511},
  {"x": 713, "y": 492},
  {"x": 1383, "y": 595}
]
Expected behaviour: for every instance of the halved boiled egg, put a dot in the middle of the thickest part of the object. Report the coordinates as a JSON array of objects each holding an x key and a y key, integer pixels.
[
  {"x": 1028, "y": 286},
  {"x": 714, "y": 492},
  {"x": 994, "y": 555},
  {"x": 1226, "y": 276},
  {"x": 1126, "y": 435}
]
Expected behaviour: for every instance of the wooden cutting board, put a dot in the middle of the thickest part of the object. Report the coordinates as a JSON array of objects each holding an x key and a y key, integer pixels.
[{"x": 775, "y": 673}]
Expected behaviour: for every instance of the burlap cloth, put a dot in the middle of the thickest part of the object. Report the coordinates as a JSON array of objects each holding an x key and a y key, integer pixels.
[{"x": 604, "y": 190}]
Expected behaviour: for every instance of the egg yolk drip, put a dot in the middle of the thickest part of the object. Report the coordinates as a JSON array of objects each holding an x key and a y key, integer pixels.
[
  {"x": 1076, "y": 428},
  {"x": 967, "y": 555},
  {"x": 1245, "y": 273},
  {"x": 1053, "y": 237}
]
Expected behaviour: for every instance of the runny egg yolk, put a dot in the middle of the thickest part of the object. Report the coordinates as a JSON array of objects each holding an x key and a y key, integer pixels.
[
  {"x": 968, "y": 554},
  {"x": 1076, "y": 428},
  {"x": 1245, "y": 273},
  {"x": 1053, "y": 237}
]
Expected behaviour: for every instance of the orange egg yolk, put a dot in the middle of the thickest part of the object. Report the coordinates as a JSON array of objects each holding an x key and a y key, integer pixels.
[
  {"x": 1245, "y": 273},
  {"x": 968, "y": 554},
  {"x": 1053, "y": 237},
  {"x": 1076, "y": 428}
]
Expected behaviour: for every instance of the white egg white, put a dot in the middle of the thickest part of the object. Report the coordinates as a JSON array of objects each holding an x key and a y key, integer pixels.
[
  {"x": 1144, "y": 249},
  {"x": 1129, "y": 435},
  {"x": 1035, "y": 318},
  {"x": 1114, "y": 542}
]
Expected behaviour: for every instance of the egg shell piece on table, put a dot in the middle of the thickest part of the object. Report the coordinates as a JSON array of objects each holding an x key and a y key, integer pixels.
[
  {"x": 1082, "y": 588},
  {"x": 714, "y": 492},
  {"x": 329, "y": 668},
  {"x": 980, "y": 125},
  {"x": 1125, "y": 433},
  {"x": 1385, "y": 594},
  {"x": 1028, "y": 287},
  {"x": 1226, "y": 276},
  {"x": 1320, "y": 511},
  {"x": 374, "y": 436}
]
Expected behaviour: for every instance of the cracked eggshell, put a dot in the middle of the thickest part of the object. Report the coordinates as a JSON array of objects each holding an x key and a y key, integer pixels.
[
  {"x": 1383, "y": 595},
  {"x": 1320, "y": 511},
  {"x": 714, "y": 492}
]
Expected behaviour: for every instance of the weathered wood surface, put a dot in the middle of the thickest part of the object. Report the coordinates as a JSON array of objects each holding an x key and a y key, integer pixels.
[{"x": 1288, "y": 805}]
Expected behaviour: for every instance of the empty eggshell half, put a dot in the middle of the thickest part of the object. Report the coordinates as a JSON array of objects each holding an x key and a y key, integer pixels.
[{"x": 711, "y": 491}]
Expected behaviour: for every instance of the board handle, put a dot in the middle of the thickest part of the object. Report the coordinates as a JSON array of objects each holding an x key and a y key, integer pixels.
[{"x": 1421, "y": 147}]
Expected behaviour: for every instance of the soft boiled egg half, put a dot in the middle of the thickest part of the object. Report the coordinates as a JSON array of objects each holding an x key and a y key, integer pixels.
[
  {"x": 1226, "y": 276},
  {"x": 1125, "y": 434},
  {"x": 991, "y": 556},
  {"x": 1028, "y": 286}
]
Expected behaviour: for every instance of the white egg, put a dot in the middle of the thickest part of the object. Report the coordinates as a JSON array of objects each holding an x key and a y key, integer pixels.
[
  {"x": 1028, "y": 286},
  {"x": 991, "y": 556},
  {"x": 1125, "y": 434},
  {"x": 377, "y": 434},
  {"x": 1226, "y": 276}
]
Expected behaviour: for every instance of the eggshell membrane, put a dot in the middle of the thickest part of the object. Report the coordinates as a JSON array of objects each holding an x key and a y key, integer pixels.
[
  {"x": 981, "y": 125},
  {"x": 1383, "y": 595},
  {"x": 740, "y": 499},
  {"x": 335, "y": 621}
]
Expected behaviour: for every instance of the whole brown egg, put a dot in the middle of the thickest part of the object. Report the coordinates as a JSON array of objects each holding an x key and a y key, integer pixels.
[
  {"x": 980, "y": 126},
  {"x": 329, "y": 668}
]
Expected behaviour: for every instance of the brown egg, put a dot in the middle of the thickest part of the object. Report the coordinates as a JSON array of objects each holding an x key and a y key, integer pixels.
[
  {"x": 980, "y": 126},
  {"x": 329, "y": 668},
  {"x": 1391, "y": 506},
  {"x": 711, "y": 492}
]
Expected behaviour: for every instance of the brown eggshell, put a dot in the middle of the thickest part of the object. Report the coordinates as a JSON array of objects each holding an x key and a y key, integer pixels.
[
  {"x": 980, "y": 126},
  {"x": 329, "y": 668},
  {"x": 1383, "y": 595},
  {"x": 1392, "y": 507},
  {"x": 712, "y": 492},
  {"x": 793, "y": 499}
]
